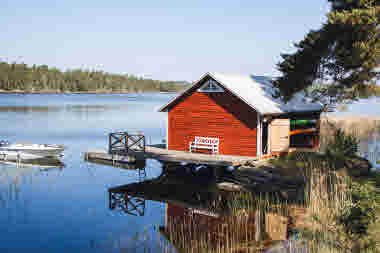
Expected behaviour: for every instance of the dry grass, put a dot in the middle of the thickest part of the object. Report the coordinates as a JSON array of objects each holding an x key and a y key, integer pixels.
[
  {"x": 326, "y": 197},
  {"x": 236, "y": 233},
  {"x": 363, "y": 127},
  {"x": 210, "y": 234}
]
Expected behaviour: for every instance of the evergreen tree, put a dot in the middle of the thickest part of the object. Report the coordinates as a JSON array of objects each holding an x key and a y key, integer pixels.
[
  {"x": 42, "y": 78},
  {"x": 344, "y": 55}
]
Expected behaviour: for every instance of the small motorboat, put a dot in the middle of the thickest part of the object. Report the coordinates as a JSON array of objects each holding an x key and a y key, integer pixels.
[{"x": 19, "y": 151}]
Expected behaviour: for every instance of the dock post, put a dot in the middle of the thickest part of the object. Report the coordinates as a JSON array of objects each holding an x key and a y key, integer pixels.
[
  {"x": 109, "y": 143},
  {"x": 110, "y": 200},
  {"x": 126, "y": 142}
]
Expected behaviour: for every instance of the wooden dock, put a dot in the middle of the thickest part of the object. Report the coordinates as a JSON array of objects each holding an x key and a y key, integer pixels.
[
  {"x": 164, "y": 155},
  {"x": 101, "y": 154},
  {"x": 124, "y": 147}
]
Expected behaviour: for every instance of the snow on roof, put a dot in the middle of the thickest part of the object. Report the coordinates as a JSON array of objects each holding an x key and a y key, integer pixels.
[{"x": 257, "y": 92}]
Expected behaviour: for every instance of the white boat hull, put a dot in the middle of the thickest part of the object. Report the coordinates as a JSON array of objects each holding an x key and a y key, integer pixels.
[
  {"x": 29, "y": 151},
  {"x": 13, "y": 155}
]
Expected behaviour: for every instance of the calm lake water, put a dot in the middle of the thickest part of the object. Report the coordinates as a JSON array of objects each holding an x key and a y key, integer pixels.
[
  {"x": 366, "y": 107},
  {"x": 66, "y": 209}
]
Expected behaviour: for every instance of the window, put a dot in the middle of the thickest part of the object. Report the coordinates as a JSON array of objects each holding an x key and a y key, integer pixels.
[
  {"x": 304, "y": 133},
  {"x": 211, "y": 86}
]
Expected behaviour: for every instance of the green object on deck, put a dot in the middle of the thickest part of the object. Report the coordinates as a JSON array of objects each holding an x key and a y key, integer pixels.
[{"x": 302, "y": 122}]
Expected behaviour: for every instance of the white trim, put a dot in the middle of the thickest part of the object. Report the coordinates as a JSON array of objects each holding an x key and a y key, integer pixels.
[
  {"x": 196, "y": 83},
  {"x": 258, "y": 138},
  {"x": 261, "y": 137},
  {"x": 167, "y": 130},
  {"x": 209, "y": 83},
  {"x": 269, "y": 138},
  {"x": 237, "y": 95},
  {"x": 256, "y": 92},
  {"x": 183, "y": 92},
  {"x": 210, "y": 91}
]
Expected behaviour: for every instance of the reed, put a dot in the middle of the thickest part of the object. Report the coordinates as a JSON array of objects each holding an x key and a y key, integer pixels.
[
  {"x": 362, "y": 127},
  {"x": 236, "y": 232},
  {"x": 334, "y": 199}
]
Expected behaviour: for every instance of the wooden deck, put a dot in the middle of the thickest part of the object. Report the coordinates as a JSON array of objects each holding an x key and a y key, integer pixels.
[{"x": 162, "y": 154}]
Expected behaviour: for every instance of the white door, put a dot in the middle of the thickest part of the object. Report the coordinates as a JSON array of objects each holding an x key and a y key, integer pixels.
[{"x": 279, "y": 135}]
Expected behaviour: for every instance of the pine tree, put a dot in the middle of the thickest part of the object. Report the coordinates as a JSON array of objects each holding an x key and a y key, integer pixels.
[{"x": 343, "y": 55}]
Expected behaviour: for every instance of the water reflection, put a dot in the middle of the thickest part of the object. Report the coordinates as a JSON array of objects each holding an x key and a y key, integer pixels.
[
  {"x": 46, "y": 162},
  {"x": 16, "y": 169},
  {"x": 170, "y": 188},
  {"x": 67, "y": 205},
  {"x": 370, "y": 149},
  {"x": 139, "y": 165},
  {"x": 201, "y": 217},
  {"x": 15, "y": 180},
  {"x": 16, "y": 173}
]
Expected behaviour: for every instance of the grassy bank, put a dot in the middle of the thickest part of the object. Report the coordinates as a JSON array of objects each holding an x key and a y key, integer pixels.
[
  {"x": 338, "y": 212},
  {"x": 363, "y": 127},
  {"x": 332, "y": 216},
  {"x": 342, "y": 197},
  {"x": 327, "y": 219}
]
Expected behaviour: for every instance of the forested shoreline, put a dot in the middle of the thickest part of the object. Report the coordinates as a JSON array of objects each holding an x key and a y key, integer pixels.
[{"x": 19, "y": 77}]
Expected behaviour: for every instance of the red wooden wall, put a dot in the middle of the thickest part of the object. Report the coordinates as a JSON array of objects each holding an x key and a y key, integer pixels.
[{"x": 221, "y": 115}]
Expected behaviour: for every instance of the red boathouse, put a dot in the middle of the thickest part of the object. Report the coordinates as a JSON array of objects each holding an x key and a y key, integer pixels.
[{"x": 232, "y": 114}]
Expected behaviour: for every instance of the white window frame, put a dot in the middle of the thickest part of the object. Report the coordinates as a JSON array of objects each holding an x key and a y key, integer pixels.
[{"x": 210, "y": 83}]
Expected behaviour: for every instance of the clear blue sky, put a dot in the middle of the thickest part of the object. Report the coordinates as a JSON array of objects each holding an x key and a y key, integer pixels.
[{"x": 164, "y": 39}]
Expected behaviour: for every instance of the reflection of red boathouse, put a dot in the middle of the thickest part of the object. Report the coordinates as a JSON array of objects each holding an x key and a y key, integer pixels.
[
  {"x": 188, "y": 228},
  {"x": 197, "y": 213},
  {"x": 237, "y": 115}
]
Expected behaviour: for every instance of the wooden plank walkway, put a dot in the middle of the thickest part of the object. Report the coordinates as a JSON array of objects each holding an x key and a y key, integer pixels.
[{"x": 162, "y": 154}]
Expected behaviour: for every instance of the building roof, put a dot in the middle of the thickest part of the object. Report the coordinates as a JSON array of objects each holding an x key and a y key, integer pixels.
[{"x": 257, "y": 92}]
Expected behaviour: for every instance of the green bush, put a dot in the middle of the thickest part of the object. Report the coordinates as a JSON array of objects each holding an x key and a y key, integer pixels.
[
  {"x": 342, "y": 144},
  {"x": 357, "y": 217}
]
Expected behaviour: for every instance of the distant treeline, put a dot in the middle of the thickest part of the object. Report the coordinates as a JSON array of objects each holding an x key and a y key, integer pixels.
[{"x": 21, "y": 77}]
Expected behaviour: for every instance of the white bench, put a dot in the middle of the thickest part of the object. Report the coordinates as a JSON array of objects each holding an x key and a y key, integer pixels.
[{"x": 205, "y": 143}]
